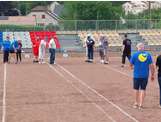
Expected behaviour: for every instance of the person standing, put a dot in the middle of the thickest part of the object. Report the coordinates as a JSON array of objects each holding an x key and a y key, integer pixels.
[
  {"x": 42, "y": 50},
  {"x": 103, "y": 48},
  {"x": 90, "y": 48},
  {"x": 142, "y": 62},
  {"x": 18, "y": 51},
  {"x": 52, "y": 49},
  {"x": 13, "y": 47},
  {"x": 158, "y": 64},
  {"x": 36, "y": 49},
  {"x": 6, "y": 48},
  {"x": 126, "y": 50}
]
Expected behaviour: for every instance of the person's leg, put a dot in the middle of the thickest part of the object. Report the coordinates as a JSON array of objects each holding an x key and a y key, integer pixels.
[
  {"x": 106, "y": 58},
  {"x": 7, "y": 56},
  {"x": 50, "y": 55},
  {"x": 92, "y": 53},
  {"x": 101, "y": 56},
  {"x": 136, "y": 102},
  {"x": 20, "y": 55},
  {"x": 89, "y": 53},
  {"x": 17, "y": 55},
  {"x": 123, "y": 60},
  {"x": 129, "y": 56},
  {"x": 4, "y": 56},
  {"x": 159, "y": 82},
  {"x": 54, "y": 55},
  {"x": 141, "y": 97},
  {"x": 136, "y": 92},
  {"x": 142, "y": 94},
  {"x": 14, "y": 56}
]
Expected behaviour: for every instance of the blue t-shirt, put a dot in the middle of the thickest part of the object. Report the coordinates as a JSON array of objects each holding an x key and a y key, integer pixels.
[
  {"x": 141, "y": 61},
  {"x": 15, "y": 43},
  {"x": 12, "y": 46},
  {"x": 6, "y": 45}
]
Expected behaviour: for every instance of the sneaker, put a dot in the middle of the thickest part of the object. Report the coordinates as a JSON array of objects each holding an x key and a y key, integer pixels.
[
  {"x": 122, "y": 65},
  {"x": 43, "y": 62},
  {"x": 135, "y": 105},
  {"x": 101, "y": 61},
  {"x": 106, "y": 62},
  {"x": 140, "y": 107},
  {"x": 87, "y": 60},
  {"x": 160, "y": 106}
]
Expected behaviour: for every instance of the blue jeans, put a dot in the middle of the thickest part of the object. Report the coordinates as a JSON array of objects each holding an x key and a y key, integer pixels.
[
  {"x": 52, "y": 55},
  {"x": 90, "y": 53},
  {"x": 159, "y": 81}
]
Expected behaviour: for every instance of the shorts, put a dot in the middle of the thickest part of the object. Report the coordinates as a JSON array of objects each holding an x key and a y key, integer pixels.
[
  {"x": 101, "y": 52},
  {"x": 12, "y": 51},
  {"x": 140, "y": 83}
]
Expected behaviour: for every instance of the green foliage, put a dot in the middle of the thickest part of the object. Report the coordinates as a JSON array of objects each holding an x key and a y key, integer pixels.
[
  {"x": 93, "y": 10},
  {"x": 20, "y": 28}
]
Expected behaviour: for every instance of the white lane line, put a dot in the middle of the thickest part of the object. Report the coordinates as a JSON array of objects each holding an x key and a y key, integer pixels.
[
  {"x": 113, "y": 104},
  {"x": 96, "y": 105},
  {"x": 116, "y": 70},
  {"x": 4, "y": 95}
]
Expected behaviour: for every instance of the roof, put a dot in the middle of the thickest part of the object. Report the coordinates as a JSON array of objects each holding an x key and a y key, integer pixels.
[{"x": 39, "y": 8}]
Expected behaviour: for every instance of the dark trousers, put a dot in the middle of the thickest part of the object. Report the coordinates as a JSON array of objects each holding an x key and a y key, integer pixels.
[
  {"x": 90, "y": 53},
  {"x": 5, "y": 56},
  {"x": 18, "y": 55},
  {"x": 159, "y": 81},
  {"x": 128, "y": 55},
  {"x": 52, "y": 55}
]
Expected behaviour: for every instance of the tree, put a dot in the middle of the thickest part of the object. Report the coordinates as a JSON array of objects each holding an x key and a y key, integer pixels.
[{"x": 92, "y": 10}]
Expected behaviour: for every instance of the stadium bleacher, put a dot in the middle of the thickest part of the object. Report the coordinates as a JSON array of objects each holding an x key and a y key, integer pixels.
[{"x": 28, "y": 38}]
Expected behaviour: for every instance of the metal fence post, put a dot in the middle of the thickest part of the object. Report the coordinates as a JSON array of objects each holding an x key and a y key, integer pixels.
[
  {"x": 115, "y": 25},
  {"x": 75, "y": 25},
  {"x": 96, "y": 25}
]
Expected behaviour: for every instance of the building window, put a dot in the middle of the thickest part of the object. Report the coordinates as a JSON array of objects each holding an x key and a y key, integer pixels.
[
  {"x": 41, "y": 24},
  {"x": 43, "y": 16}
]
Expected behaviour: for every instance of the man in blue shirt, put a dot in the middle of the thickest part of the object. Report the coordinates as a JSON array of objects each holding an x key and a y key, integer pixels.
[
  {"x": 6, "y": 48},
  {"x": 13, "y": 48},
  {"x": 141, "y": 62}
]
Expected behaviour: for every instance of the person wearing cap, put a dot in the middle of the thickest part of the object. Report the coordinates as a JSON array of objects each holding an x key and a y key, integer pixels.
[
  {"x": 6, "y": 48},
  {"x": 126, "y": 50},
  {"x": 141, "y": 62},
  {"x": 90, "y": 48}
]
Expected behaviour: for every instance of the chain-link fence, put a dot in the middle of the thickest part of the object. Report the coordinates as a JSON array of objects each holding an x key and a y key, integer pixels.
[
  {"x": 93, "y": 25},
  {"x": 75, "y": 25}
]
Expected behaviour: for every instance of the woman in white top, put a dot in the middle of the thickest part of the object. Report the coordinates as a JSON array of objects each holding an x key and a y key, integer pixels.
[
  {"x": 42, "y": 50},
  {"x": 52, "y": 48}
]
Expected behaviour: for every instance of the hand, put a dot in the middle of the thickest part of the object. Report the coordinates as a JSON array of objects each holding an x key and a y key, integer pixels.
[{"x": 152, "y": 78}]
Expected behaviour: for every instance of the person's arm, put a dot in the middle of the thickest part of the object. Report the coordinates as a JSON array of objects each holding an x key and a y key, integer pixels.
[
  {"x": 152, "y": 69},
  {"x": 132, "y": 62},
  {"x": 123, "y": 46}
]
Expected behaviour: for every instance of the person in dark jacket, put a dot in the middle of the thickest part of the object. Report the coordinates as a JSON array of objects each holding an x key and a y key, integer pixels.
[
  {"x": 158, "y": 64},
  {"x": 6, "y": 49},
  {"x": 18, "y": 51},
  {"x": 90, "y": 48},
  {"x": 126, "y": 50}
]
